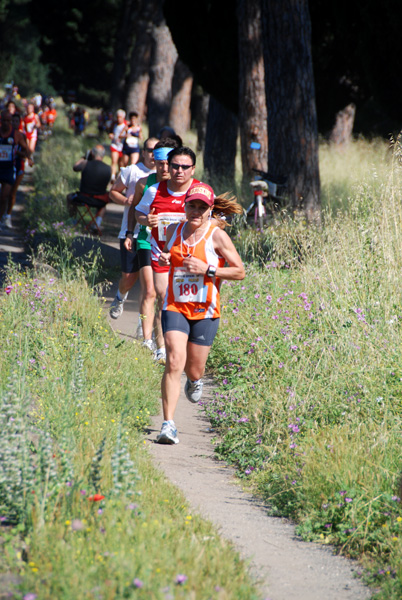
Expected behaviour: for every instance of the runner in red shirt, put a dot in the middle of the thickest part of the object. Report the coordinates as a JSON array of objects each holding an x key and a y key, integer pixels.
[
  {"x": 31, "y": 125},
  {"x": 162, "y": 205}
]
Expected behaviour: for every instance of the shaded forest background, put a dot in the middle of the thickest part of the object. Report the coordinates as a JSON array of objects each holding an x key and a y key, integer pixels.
[
  {"x": 279, "y": 73},
  {"x": 71, "y": 45}
]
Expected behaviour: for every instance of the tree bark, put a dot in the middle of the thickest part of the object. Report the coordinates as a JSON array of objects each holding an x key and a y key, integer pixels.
[
  {"x": 180, "y": 115},
  {"x": 164, "y": 56},
  {"x": 292, "y": 118},
  {"x": 252, "y": 100},
  {"x": 341, "y": 133},
  {"x": 201, "y": 116},
  {"x": 220, "y": 142},
  {"x": 121, "y": 53},
  {"x": 138, "y": 79}
]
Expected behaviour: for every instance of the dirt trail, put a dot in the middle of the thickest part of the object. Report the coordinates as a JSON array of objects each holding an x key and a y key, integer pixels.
[{"x": 285, "y": 567}]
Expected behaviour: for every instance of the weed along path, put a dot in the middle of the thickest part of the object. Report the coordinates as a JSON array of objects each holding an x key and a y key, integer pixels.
[{"x": 285, "y": 567}]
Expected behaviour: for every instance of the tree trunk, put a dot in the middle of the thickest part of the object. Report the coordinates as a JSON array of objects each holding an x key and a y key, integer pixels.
[
  {"x": 201, "y": 105},
  {"x": 180, "y": 115},
  {"x": 220, "y": 142},
  {"x": 341, "y": 133},
  {"x": 121, "y": 53},
  {"x": 292, "y": 118},
  {"x": 138, "y": 79},
  {"x": 252, "y": 100},
  {"x": 164, "y": 56}
]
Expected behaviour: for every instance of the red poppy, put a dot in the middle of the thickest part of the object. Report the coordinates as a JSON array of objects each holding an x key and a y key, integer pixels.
[{"x": 96, "y": 497}]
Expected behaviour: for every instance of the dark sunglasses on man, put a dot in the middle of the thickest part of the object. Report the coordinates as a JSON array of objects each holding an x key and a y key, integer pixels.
[{"x": 176, "y": 166}]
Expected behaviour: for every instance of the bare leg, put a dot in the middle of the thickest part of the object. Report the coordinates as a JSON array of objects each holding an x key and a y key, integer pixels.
[
  {"x": 13, "y": 196},
  {"x": 176, "y": 350},
  {"x": 4, "y": 198},
  {"x": 160, "y": 282},
  {"x": 126, "y": 282},
  {"x": 147, "y": 304},
  {"x": 32, "y": 144},
  {"x": 134, "y": 158},
  {"x": 115, "y": 163},
  {"x": 196, "y": 360}
]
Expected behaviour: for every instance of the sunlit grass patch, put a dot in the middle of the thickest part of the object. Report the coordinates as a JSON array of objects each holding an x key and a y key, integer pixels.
[{"x": 309, "y": 408}]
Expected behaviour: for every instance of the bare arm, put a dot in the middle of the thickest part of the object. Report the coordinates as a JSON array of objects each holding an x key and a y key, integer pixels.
[
  {"x": 138, "y": 193},
  {"x": 139, "y": 190},
  {"x": 164, "y": 257},
  {"x": 116, "y": 193},
  {"x": 22, "y": 141},
  {"x": 225, "y": 248},
  {"x": 80, "y": 165},
  {"x": 149, "y": 220}
]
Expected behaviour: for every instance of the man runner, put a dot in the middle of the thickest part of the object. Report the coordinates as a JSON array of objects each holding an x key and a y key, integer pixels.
[{"x": 162, "y": 205}]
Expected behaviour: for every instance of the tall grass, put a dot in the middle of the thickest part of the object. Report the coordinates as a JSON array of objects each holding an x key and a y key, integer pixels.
[
  {"x": 83, "y": 513},
  {"x": 309, "y": 361}
]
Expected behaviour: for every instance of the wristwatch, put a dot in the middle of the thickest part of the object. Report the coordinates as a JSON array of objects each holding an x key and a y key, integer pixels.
[
  {"x": 129, "y": 232},
  {"x": 211, "y": 271}
]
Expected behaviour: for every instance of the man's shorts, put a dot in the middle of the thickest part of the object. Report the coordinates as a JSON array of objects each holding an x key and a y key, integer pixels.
[
  {"x": 158, "y": 269},
  {"x": 132, "y": 262},
  {"x": 129, "y": 150},
  {"x": 7, "y": 176},
  {"x": 119, "y": 151},
  {"x": 200, "y": 331}
]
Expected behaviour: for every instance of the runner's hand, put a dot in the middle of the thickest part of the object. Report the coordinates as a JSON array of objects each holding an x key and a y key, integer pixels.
[
  {"x": 195, "y": 265},
  {"x": 130, "y": 199},
  {"x": 152, "y": 219},
  {"x": 164, "y": 259},
  {"x": 128, "y": 242}
]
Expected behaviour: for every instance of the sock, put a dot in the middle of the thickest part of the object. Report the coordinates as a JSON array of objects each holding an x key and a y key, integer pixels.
[{"x": 120, "y": 297}]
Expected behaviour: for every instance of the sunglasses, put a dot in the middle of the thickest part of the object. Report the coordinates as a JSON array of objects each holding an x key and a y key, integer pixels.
[
  {"x": 176, "y": 166},
  {"x": 148, "y": 150}
]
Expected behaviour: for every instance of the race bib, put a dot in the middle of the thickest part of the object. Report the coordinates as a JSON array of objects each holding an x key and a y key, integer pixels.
[
  {"x": 6, "y": 152},
  {"x": 131, "y": 141},
  {"x": 188, "y": 287},
  {"x": 30, "y": 126},
  {"x": 166, "y": 219}
]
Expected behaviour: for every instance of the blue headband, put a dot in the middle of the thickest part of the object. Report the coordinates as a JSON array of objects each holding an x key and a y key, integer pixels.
[{"x": 161, "y": 153}]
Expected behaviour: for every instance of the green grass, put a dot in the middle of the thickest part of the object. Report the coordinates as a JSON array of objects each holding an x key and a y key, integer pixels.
[
  {"x": 308, "y": 409},
  {"x": 309, "y": 360},
  {"x": 73, "y": 413},
  {"x": 84, "y": 514}
]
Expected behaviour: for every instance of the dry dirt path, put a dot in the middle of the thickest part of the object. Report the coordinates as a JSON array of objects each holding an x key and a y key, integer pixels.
[{"x": 285, "y": 567}]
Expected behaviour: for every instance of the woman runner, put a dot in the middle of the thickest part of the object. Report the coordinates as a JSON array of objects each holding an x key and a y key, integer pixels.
[{"x": 196, "y": 251}]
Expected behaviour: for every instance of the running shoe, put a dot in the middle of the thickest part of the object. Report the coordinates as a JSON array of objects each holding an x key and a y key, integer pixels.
[
  {"x": 193, "y": 390},
  {"x": 148, "y": 344},
  {"x": 116, "y": 308},
  {"x": 139, "y": 335},
  {"x": 160, "y": 356},
  {"x": 168, "y": 434},
  {"x": 7, "y": 221}
]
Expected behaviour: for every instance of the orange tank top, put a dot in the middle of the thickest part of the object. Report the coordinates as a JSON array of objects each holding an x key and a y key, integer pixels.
[{"x": 195, "y": 296}]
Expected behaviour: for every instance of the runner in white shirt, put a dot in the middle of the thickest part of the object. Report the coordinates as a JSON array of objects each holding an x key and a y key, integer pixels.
[
  {"x": 122, "y": 192},
  {"x": 117, "y": 136}
]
